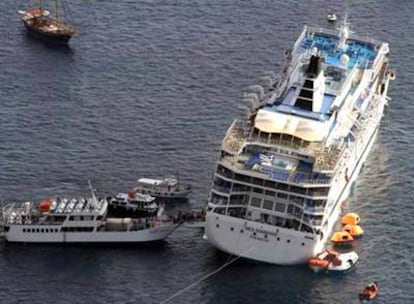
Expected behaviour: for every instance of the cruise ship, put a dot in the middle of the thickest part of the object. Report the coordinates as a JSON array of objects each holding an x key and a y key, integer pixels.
[{"x": 284, "y": 172}]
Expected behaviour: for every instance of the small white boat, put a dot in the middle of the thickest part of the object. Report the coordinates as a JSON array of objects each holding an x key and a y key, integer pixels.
[
  {"x": 331, "y": 260},
  {"x": 168, "y": 188},
  {"x": 331, "y": 17}
]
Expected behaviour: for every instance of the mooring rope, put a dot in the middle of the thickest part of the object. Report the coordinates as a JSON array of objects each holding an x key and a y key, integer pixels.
[{"x": 206, "y": 276}]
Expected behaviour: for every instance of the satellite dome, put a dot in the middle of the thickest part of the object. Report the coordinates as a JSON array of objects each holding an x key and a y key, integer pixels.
[{"x": 344, "y": 59}]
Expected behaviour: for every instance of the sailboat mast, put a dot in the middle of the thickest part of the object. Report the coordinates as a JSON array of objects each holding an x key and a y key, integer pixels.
[{"x": 57, "y": 16}]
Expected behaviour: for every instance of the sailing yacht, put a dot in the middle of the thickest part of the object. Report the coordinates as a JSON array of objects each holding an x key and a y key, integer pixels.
[
  {"x": 39, "y": 21},
  {"x": 284, "y": 172}
]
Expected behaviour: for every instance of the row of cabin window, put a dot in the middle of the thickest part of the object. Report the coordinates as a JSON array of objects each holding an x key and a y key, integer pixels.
[
  {"x": 40, "y": 230},
  {"x": 271, "y": 184},
  {"x": 54, "y": 230},
  {"x": 83, "y": 218},
  {"x": 243, "y": 199}
]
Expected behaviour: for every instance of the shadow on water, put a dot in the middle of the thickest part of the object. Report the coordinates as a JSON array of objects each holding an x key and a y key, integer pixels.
[{"x": 39, "y": 41}]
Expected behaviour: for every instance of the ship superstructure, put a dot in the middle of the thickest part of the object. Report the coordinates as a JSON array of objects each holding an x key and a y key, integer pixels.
[{"x": 284, "y": 172}]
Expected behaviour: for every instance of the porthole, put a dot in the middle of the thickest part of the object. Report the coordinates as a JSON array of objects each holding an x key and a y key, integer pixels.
[
  {"x": 254, "y": 233},
  {"x": 265, "y": 236},
  {"x": 241, "y": 230},
  {"x": 303, "y": 244},
  {"x": 288, "y": 241},
  {"x": 217, "y": 225},
  {"x": 231, "y": 229},
  {"x": 278, "y": 239}
]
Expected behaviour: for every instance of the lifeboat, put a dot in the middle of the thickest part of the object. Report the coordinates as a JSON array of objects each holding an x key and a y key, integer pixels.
[
  {"x": 354, "y": 230},
  {"x": 342, "y": 238},
  {"x": 369, "y": 292},
  {"x": 350, "y": 218},
  {"x": 317, "y": 264},
  {"x": 44, "y": 205},
  {"x": 333, "y": 261}
]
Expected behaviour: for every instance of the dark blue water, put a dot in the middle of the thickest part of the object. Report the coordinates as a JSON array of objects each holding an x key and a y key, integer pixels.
[{"x": 148, "y": 88}]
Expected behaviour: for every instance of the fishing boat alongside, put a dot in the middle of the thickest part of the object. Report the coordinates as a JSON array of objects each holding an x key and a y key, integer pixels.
[
  {"x": 168, "y": 188},
  {"x": 40, "y": 22},
  {"x": 333, "y": 261},
  {"x": 283, "y": 173},
  {"x": 85, "y": 221}
]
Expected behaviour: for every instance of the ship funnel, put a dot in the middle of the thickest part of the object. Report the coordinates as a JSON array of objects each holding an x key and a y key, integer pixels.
[
  {"x": 314, "y": 67},
  {"x": 311, "y": 94}
]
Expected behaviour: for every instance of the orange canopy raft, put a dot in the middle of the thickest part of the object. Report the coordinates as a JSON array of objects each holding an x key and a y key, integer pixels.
[
  {"x": 354, "y": 230},
  {"x": 341, "y": 237},
  {"x": 350, "y": 218}
]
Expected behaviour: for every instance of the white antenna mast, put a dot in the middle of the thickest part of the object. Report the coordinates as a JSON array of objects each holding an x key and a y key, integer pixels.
[{"x": 94, "y": 200}]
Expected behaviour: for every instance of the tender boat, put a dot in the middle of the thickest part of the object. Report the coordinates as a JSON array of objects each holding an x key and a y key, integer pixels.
[
  {"x": 331, "y": 260},
  {"x": 39, "y": 22},
  {"x": 168, "y": 188},
  {"x": 331, "y": 17},
  {"x": 370, "y": 292},
  {"x": 86, "y": 221}
]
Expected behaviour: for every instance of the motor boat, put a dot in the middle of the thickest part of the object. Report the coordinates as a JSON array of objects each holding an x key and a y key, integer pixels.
[
  {"x": 331, "y": 17},
  {"x": 332, "y": 260}
]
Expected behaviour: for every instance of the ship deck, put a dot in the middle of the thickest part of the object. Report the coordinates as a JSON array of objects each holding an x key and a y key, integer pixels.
[{"x": 360, "y": 53}]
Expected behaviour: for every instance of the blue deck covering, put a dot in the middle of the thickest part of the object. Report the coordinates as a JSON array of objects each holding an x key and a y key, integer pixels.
[{"x": 358, "y": 52}]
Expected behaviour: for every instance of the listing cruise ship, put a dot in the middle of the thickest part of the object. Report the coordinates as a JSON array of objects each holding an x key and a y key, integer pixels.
[{"x": 284, "y": 172}]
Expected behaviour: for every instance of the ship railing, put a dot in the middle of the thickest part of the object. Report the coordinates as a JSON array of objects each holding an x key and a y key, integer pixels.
[
  {"x": 221, "y": 189},
  {"x": 352, "y": 36},
  {"x": 314, "y": 209},
  {"x": 309, "y": 178},
  {"x": 282, "y": 141},
  {"x": 276, "y": 174}
]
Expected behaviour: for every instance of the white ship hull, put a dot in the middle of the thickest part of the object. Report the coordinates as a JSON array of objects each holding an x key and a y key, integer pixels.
[
  {"x": 20, "y": 234},
  {"x": 259, "y": 242}
]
